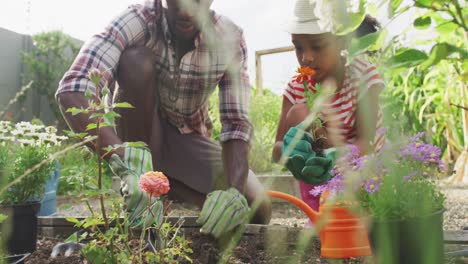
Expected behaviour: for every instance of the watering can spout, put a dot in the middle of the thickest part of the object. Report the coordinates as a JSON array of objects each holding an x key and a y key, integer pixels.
[
  {"x": 311, "y": 213},
  {"x": 342, "y": 235}
]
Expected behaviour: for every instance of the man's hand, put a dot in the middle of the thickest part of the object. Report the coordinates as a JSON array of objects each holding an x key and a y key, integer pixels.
[
  {"x": 223, "y": 211},
  {"x": 317, "y": 169},
  {"x": 136, "y": 162}
]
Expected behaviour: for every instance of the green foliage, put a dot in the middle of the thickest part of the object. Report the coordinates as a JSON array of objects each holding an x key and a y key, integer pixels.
[
  {"x": 23, "y": 147},
  {"x": 265, "y": 110},
  {"x": 118, "y": 244},
  {"x": 422, "y": 86},
  {"x": 399, "y": 199},
  {"x": 78, "y": 170},
  {"x": 109, "y": 237},
  {"x": 47, "y": 62},
  {"x": 32, "y": 186}
]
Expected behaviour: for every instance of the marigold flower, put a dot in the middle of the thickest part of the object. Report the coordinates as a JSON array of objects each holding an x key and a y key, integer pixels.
[
  {"x": 154, "y": 183},
  {"x": 304, "y": 76}
]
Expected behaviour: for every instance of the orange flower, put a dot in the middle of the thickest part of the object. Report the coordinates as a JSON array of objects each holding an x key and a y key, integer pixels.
[
  {"x": 154, "y": 183},
  {"x": 304, "y": 76}
]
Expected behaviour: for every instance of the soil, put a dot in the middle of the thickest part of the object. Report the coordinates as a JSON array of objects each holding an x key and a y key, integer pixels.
[
  {"x": 250, "y": 249},
  {"x": 256, "y": 249}
]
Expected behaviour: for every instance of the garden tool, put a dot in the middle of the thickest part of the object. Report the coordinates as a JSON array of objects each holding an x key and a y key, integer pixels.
[
  {"x": 136, "y": 162},
  {"x": 223, "y": 211},
  {"x": 341, "y": 232}
]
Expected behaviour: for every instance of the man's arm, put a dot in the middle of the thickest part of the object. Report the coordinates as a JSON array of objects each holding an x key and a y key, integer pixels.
[
  {"x": 101, "y": 52},
  {"x": 236, "y": 164},
  {"x": 79, "y": 122},
  {"x": 236, "y": 133}
]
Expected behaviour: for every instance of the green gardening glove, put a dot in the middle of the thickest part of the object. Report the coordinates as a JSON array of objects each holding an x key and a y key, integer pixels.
[
  {"x": 300, "y": 152},
  {"x": 136, "y": 162},
  {"x": 317, "y": 169},
  {"x": 222, "y": 212},
  {"x": 302, "y": 147}
]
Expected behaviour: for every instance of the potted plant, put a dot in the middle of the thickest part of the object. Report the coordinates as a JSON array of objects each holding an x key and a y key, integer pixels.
[
  {"x": 23, "y": 146},
  {"x": 397, "y": 189}
]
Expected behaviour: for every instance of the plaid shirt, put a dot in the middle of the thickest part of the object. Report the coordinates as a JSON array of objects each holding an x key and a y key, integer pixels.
[{"x": 219, "y": 59}]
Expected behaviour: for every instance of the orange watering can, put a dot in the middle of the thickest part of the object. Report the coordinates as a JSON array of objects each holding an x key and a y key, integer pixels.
[{"x": 342, "y": 234}]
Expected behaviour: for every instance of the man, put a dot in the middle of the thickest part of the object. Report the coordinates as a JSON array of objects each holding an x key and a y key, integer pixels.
[{"x": 166, "y": 57}]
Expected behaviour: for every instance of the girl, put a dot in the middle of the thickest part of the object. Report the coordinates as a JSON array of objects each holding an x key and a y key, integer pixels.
[{"x": 352, "y": 114}]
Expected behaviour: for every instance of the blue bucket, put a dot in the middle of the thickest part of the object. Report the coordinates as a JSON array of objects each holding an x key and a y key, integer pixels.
[{"x": 49, "y": 202}]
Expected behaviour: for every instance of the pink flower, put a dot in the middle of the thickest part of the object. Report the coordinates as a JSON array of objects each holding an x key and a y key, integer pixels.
[{"x": 154, "y": 183}]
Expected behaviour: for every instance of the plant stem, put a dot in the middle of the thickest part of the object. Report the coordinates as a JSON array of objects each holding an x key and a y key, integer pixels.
[{"x": 101, "y": 196}]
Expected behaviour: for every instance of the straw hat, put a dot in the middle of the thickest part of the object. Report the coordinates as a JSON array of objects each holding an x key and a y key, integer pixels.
[{"x": 307, "y": 19}]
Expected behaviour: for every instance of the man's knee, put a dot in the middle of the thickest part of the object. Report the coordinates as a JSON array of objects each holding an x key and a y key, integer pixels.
[{"x": 135, "y": 66}]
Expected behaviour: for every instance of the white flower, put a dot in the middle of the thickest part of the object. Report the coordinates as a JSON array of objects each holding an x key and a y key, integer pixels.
[
  {"x": 51, "y": 130},
  {"x": 26, "y": 142}
]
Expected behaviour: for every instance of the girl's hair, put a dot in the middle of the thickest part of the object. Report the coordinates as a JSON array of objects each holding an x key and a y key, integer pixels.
[{"x": 369, "y": 25}]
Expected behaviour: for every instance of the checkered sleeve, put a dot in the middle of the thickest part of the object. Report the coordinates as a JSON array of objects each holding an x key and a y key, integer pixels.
[
  {"x": 103, "y": 50},
  {"x": 234, "y": 96}
]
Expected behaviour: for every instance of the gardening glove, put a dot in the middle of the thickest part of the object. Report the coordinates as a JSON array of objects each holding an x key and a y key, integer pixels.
[
  {"x": 136, "y": 162},
  {"x": 223, "y": 211},
  {"x": 317, "y": 169},
  {"x": 301, "y": 151}
]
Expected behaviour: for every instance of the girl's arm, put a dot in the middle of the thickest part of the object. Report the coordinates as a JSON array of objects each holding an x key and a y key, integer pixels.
[
  {"x": 282, "y": 129},
  {"x": 366, "y": 119}
]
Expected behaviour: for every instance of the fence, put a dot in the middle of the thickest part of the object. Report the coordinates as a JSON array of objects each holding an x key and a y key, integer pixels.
[{"x": 12, "y": 70}]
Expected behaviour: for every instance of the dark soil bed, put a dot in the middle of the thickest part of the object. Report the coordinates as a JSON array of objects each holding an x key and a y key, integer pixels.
[
  {"x": 250, "y": 249},
  {"x": 261, "y": 249}
]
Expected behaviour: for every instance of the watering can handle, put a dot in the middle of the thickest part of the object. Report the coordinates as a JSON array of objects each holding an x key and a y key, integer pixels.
[{"x": 313, "y": 215}]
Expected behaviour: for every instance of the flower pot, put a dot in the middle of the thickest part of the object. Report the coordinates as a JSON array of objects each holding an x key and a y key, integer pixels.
[
  {"x": 16, "y": 259},
  {"x": 19, "y": 231},
  {"x": 49, "y": 202},
  {"x": 417, "y": 240}
]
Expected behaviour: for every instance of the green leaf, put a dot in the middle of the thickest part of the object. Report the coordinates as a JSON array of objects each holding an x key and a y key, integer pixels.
[
  {"x": 436, "y": 4},
  {"x": 355, "y": 19},
  {"x": 95, "y": 115},
  {"x": 105, "y": 91},
  {"x": 440, "y": 52},
  {"x": 93, "y": 222},
  {"x": 368, "y": 42},
  {"x": 72, "y": 238},
  {"x": 394, "y": 4},
  {"x": 91, "y": 126},
  {"x": 73, "y": 220},
  {"x": 123, "y": 105},
  {"x": 447, "y": 28},
  {"x": 422, "y": 22},
  {"x": 109, "y": 118},
  {"x": 88, "y": 93},
  {"x": 74, "y": 111},
  {"x": 407, "y": 58}
]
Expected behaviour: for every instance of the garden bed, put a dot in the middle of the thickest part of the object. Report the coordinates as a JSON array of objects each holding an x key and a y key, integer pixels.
[{"x": 259, "y": 244}]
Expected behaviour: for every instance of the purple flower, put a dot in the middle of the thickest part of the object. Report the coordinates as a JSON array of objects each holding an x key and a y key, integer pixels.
[
  {"x": 413, "y": 156},
  {"x": 318, "y": 190},
  {"x": 372, "y": 185}
]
